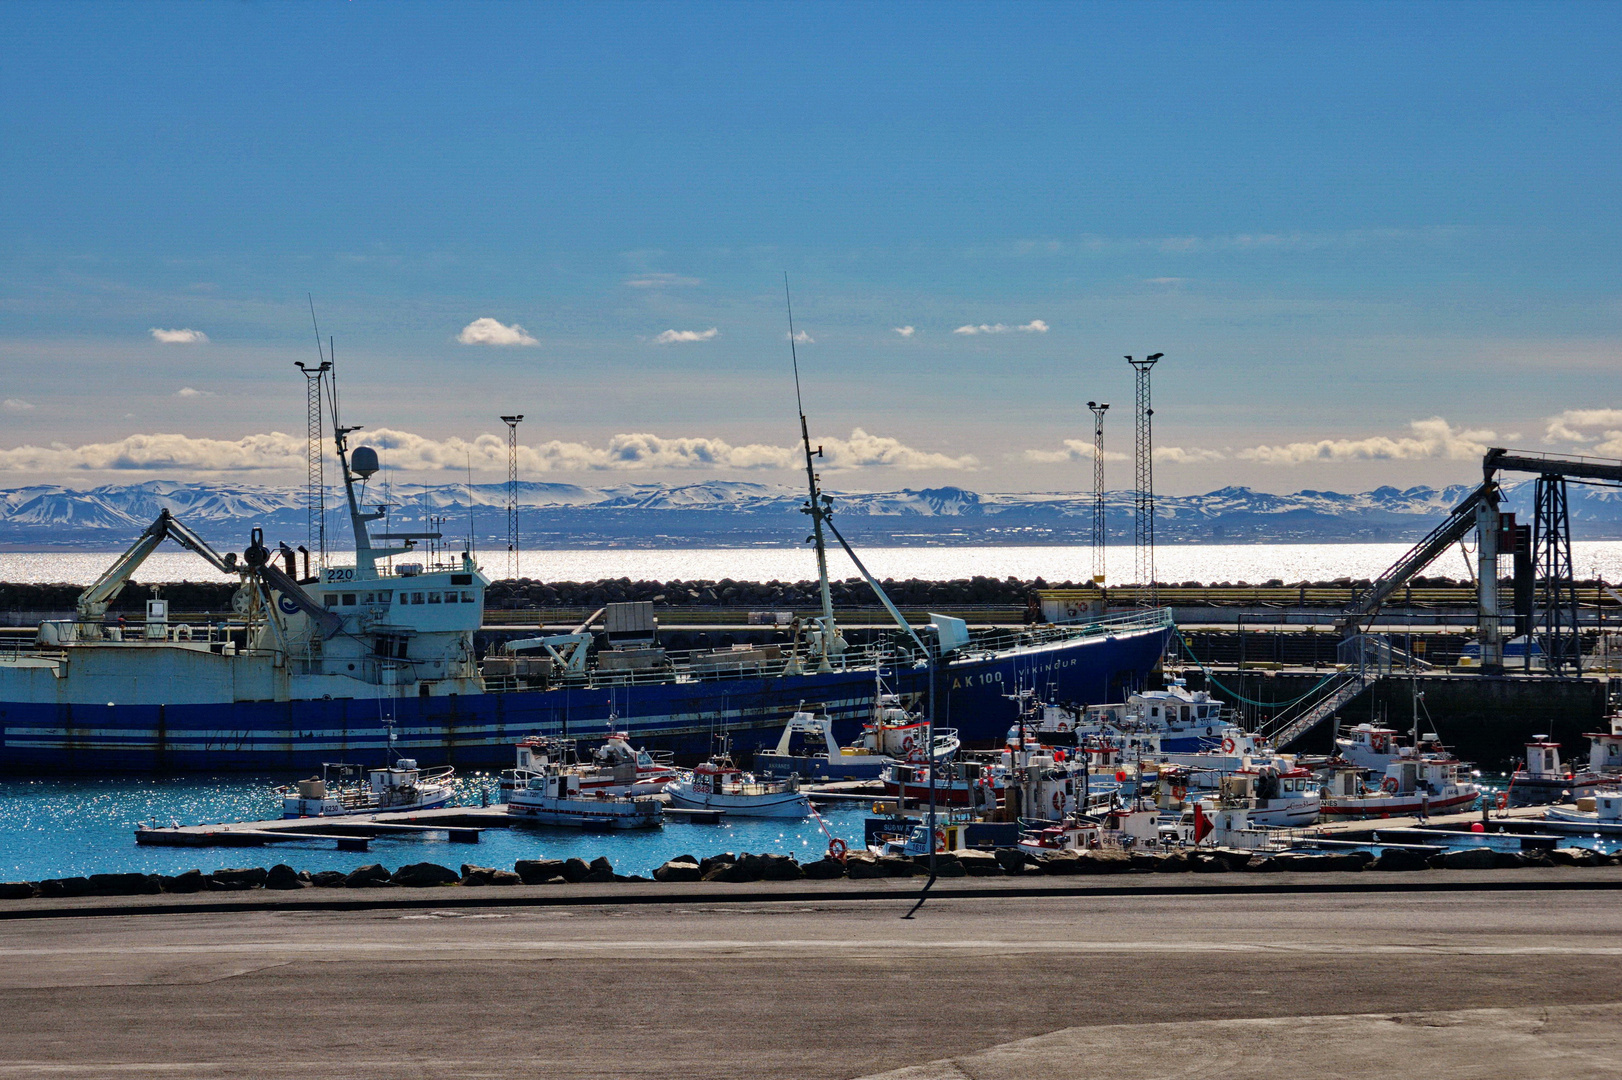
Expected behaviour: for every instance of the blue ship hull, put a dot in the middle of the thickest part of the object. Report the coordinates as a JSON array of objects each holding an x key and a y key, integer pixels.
[{"x": 478, "y": 731}]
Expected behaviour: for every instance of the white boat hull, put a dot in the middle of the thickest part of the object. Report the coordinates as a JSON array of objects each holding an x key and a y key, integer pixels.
[
  {"x": 590, "y": 813},
  {"x": 786, "y": 804}
]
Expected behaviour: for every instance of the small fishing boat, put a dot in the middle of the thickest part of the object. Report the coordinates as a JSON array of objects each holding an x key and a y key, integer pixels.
[
  {"x": 1601, "y": 812},
  {"x": 718, "y": 784},
  {"x": 614, "y": 768},
  {"x": 1432, "y": 784},
  {"x": 807, "y": 748},
  {"x": 551, "y": 793},
  {"x": 339, "y": 790},
  {"x": 1184, "y": 720}
]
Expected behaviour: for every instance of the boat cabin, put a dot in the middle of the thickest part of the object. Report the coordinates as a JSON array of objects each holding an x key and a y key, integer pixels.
[{"x": 1543, "y": 760}]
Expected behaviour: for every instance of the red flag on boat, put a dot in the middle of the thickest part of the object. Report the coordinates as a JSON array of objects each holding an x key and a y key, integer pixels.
[{"x": 1202, "y": 824}]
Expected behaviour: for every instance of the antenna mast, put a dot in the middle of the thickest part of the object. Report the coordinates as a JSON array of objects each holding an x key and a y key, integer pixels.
[
  {"x": 1100, "y": 534},
  {"x": 315, "y": 496},
  {"x": 512, "y": 493},
  {"x": 817, "y": 505},
  {"x": 1143, "y": 523}
]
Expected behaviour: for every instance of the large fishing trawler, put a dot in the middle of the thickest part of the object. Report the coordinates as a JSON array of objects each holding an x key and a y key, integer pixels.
[{"x": 317, "y": 666}]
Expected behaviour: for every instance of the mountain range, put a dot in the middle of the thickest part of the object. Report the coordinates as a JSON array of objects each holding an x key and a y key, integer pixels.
[{"x": 722, "y": 513}]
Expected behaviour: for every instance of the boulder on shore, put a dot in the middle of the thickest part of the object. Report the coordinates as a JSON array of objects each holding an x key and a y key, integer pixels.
[
  {"x": 371, "y": 876},
  {"x": 425, "y": 875},
  {"x": 229, "y": 879},
  {"x": 681, "y": 868},
  {"x": 575, "y": 871},
  {"x": 824, "y": 869},
  {"x": 538, "y": 871},
  {"x": 18, "y": 890},
  {"x": 284, "y": 877}
]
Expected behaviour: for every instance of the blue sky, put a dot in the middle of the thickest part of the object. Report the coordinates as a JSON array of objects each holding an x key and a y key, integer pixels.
[{"x": 1369, "y": 238}]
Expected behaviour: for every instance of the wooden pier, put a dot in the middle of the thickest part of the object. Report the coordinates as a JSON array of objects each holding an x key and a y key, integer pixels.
[{"x": 355, "y": 832}]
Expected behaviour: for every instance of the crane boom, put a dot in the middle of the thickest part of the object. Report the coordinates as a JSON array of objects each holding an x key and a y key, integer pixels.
[{"x": 92, "y": 603}]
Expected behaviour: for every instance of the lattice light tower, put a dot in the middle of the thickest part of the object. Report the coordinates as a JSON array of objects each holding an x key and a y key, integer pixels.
[
  {"x": 315, "y": 503},
  {"x": 512, "y": 493},
  {"x": 1100, "y": 535},
  {"x": 1143, "y": 520}
]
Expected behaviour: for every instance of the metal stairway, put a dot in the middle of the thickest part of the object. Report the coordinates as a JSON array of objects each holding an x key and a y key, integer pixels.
[{"x": 1334, "y": 695}]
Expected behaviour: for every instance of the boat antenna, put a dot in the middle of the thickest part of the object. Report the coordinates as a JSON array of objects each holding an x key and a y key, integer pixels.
[
  {"x": 817, "y": 505},
  {"x": 471, "y": 538}
]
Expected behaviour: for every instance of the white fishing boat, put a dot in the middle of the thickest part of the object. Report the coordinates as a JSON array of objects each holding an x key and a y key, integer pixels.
[
  {"x": 550, "y": 793},
  {"x": 718, "y": 784},
  {"x": 1184, "y": 720},
  {"x": 1432, "y": 784},
  {"x": 339, "y": 790},
  {"x": 808, "y": 749},
  {"x": 614, "y": 768},
  {"x": 1601, "y": 812}
]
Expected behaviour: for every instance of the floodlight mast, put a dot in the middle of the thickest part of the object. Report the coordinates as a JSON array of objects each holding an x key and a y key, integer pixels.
[
  {"x": 1143, "y": 523},
  {"x": 512, "y": 493},
  {"x": 1100, "y": 535}
]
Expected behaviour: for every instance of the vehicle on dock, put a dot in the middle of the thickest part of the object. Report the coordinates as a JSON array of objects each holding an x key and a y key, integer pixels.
[
  {"x": 718, "y": 784},
  {"x": 339, "y": 790},
  {"x": 613, "y": 768},
  {"x": 551, "y": 793},
  {"x": 893, "y": 736},
  {"x": 1431, "y": 784}
]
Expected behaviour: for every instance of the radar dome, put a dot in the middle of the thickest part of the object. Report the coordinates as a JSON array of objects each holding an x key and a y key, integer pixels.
[{"x": 363, "y": 462}]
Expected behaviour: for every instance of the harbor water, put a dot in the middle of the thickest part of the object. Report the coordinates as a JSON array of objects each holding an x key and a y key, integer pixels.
[{"x": 65, "y": 828}]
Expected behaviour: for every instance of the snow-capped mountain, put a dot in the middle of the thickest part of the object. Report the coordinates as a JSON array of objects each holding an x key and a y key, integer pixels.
[{"x": 555, "y": 514}]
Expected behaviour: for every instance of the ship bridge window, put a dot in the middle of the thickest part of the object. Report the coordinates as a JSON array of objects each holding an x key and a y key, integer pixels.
[
  {"x": 461, "y": 579},
  {"x": 433, "y": 598},
  {"x": 331, "y": 599},
  {"x": 467, "y": 598},
  {"x": 349, "y": 599},
  {"x": 416, "y": 598},
  {"x": 450, "y": 596}
]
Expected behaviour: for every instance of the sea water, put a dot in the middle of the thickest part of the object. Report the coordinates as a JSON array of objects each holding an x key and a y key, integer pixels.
[
  {"x": 1204, "y": 563},
  {"x": 65, "y": 828}
]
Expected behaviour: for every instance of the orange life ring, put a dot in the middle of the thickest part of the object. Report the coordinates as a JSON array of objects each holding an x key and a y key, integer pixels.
[
  {"x": 907, "y": 743},
  {"x": 1063, "y": 726},
  {"x": 1377, "y": 743},
  {"x": 1058, "y": 801},
  {"x": 1178, "y": 792},
  {"x": 837, "y": 849},
  {"x": 1389, "y": 785},
  {"x": 940, "y": 839},
  {"x": 1228, "y": 745}
]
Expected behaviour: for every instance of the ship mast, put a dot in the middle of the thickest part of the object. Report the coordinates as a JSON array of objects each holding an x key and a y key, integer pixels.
[{"x": 817, "y": 505}]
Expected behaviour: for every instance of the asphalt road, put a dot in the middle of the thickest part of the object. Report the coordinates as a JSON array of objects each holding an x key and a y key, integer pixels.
[{"x": 1452, "y": 984}]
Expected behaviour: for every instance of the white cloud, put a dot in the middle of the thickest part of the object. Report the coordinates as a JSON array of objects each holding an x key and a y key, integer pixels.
[
  {"x": 670, "y": 337},
  {"x": 662, "y": 281},
  {"x": 488, "y": 331},
  {"x": 179, "y": 337},
  {"x": 1181, "y": 455},
  {"x": 188, "y": 392},
  {"x": 1567, "y": 426},
  {"x": 800, "y": 336},
  {"x": 1035, "y": 326},
  {"x": 18, "y": 405},
  {"x": 1074, "y": 450},
  {"x": 1432, "y": 438},
  {"x": 409, "y": 452},
  {"x": 905, "y": 331}
]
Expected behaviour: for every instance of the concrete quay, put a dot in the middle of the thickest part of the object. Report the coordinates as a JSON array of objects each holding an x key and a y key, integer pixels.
[{"x": 1169, "y": 979}]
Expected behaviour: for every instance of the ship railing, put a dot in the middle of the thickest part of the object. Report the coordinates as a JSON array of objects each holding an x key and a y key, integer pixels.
[{"x": 680, "y": 668}]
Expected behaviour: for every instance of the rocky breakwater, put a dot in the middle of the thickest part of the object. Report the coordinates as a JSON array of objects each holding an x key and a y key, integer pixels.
[{"x": 744, "y": 867}]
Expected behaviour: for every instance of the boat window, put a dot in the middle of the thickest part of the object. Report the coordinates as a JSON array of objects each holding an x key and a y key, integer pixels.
[
  {"x": 433, "y": 598},
  {"x": 416, "y": 598},
  {"x": 405, "y": 598},
  {"x": 467, "y": 598},
  {"x": 331, "y": 599},
  {"x": 349, "y": 599},
  {"x": 450, "y": 596}
]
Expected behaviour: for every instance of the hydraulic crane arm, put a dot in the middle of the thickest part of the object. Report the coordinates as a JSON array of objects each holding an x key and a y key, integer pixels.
[{"x": 92, "y": 603}]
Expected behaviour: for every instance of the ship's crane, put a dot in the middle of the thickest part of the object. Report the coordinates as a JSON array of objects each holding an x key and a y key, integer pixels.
[{"x": 92, "y": 603}]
